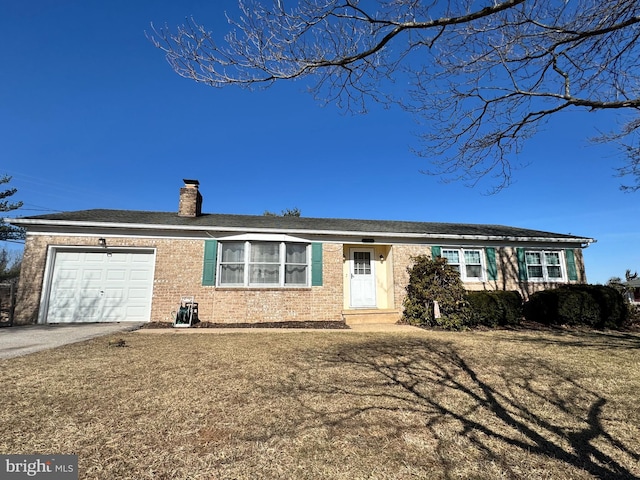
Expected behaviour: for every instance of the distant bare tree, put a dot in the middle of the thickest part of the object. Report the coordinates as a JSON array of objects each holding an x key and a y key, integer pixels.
[
  {"x": 483, "y": 75},
  {"x": 288, "y": 212},
  {"x": 622, "y": 286},
  {"x": 10, "y": 263}
]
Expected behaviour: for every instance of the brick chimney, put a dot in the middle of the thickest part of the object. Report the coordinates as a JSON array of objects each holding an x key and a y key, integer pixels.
[{"x": 190, "y": 199}]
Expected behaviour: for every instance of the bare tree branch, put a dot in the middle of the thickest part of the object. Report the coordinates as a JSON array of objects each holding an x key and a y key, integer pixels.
[{"x": 482, "y": 75}]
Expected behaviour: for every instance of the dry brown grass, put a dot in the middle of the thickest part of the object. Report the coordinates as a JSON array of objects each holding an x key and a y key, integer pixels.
[{"x": 331, "y": 405}]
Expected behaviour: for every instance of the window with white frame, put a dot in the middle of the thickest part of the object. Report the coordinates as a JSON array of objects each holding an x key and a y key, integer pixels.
[
  {"x": 544, "y": 265},
  {"x": 264, "y": 264},
  {"x": 468, "y": 262}
]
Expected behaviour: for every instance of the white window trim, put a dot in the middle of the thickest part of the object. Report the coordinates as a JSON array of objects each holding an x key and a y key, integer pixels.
[
  {"x": 247, "y": 264},
  {"x": 262, "y": 237},
  {"x": 545, "y": 277},
  {"x": 463, "y": 269}
]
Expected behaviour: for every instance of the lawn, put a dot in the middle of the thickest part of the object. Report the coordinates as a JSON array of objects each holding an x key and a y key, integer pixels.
[{"x": 332, "y": 405}]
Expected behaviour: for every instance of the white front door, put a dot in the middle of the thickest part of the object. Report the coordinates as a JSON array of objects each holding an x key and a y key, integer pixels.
[
  {"x": 363, "y": 278},
  {"x": 101, "y": 286}
]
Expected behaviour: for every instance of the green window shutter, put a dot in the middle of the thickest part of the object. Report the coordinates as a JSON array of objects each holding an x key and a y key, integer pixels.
[
  {"x": 316, "y": 264},
  {"x": 522, "y": 265},
  {"x": 492, "y": 267},
  {"x": 209, "y": 266},
  {"x": 572, "y": 271},
  {"x": 436, "y": 252}
]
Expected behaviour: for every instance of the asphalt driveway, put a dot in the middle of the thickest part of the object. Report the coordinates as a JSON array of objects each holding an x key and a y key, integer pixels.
[{"x": 22, "y": 340}]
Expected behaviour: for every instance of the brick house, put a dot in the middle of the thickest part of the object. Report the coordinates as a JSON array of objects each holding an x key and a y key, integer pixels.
[
  {"x": 633, "y": 293},
  {"x": 125, "y": 265}
]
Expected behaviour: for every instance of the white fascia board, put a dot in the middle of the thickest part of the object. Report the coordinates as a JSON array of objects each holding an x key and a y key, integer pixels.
[
  {"x": 112, "y": 234},
  {"x": 349, "y": 233}
]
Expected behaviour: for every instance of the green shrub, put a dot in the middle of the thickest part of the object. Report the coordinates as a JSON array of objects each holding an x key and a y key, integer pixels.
[
  {"x": 613, "y": 306},
  {"x": 512, "y": 301},
  {"x": 592, "y": 305},
  {"x": 494, "y": 308},
  {"x": 577, "y": 307},
  {"x": 542, "y": 307},
  {"x": 485, "y": 309},
  {"x": 562, "y": 306},
  {"x": 435, "y": 280}
]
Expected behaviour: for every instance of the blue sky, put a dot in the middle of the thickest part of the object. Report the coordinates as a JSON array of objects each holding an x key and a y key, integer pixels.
[{"x": 92, "y": 116}]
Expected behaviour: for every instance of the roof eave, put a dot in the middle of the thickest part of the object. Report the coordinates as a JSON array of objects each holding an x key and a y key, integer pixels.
[{"x": 144, "y": 226}]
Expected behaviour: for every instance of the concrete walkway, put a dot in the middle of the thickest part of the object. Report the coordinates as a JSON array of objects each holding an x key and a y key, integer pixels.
[
  {"x": 367, "y": 327},
  {"x": 22, "y": 340},
  {"x": 25, "y": 339}
]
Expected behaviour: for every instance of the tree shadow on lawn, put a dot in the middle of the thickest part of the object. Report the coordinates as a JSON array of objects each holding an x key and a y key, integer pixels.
[
  {"x": 508, "y": 409},
  {"x": 588, "y": 338}
]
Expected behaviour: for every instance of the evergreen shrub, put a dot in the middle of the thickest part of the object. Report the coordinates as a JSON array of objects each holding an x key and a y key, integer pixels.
[
  {"x": 591, "y": 305},
  {"x": 613, "y": 306},
  {"x": 435, "y": 280},
  {"x": 495, "y": 308}
]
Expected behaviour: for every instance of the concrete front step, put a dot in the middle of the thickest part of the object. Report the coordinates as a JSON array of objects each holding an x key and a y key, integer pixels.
[{"x": 370, "y": 316}]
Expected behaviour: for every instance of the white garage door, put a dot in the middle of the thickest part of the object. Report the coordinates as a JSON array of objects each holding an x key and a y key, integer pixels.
[{"x": 101, "y": 286}]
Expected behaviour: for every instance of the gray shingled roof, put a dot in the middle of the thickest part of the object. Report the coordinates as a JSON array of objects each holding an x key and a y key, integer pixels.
[{"x": 261, "y": 222}]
